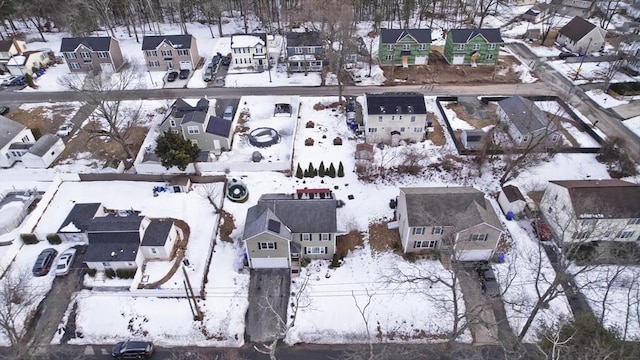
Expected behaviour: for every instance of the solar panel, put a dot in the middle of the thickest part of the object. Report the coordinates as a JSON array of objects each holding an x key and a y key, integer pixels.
[{"x": 274, "y": 226}]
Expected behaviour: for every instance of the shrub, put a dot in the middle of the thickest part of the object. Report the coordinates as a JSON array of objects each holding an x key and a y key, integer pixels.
[
  {"x": 308, "y": 142},
  {"x": 310, "y": 125},
  {"x": 91, "y": 272},
  {"x": 109, "y": 273},
  {"x": 332, "y": 171},
  {"x": 126, "y": 273},
  {"x": 321, "y": 169},
  {"x": 411, "y": 257},
  {"x": 304, "y": 262},
  {"x": 335, "y": 261},
  {"x": 29, "y": 239},
  {"x": 299, "y": 173},
  {"x": 54, "y": 239},
  {"x": 337, "y": 141},
  {"x": 340, "y": 170},
  {"x": 311, "y": 171}
]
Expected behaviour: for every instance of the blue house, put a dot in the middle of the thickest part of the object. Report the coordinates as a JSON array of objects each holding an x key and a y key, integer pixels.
[{"x": 305, "y": 52}]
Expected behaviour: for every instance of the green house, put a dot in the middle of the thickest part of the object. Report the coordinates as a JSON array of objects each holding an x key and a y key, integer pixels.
[
  {"x": 473, "y": 46},
  {"x": 404, "y": 47}
]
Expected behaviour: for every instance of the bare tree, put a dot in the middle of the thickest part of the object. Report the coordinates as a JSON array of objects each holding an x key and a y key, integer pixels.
[
  {"x": 364, "y": 314},
  {"x": 211, "y": 193},
  {"x": 18, "y": 299}
]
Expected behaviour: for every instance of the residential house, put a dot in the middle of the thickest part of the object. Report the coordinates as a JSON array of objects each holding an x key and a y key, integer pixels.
[
  {"x": 592, "y": 210},
  {"x": 159, "y": 239},
  {"x": 583, "y": 8},
  {"x": 472, "y": 139},
  {"x": 581, "y": 36},
  {"x": 15, "y": 141},
  {"x": 456, "y": 219},
  {"x": 630, "y": 50},
  {"x": 528, "y": 126},
  {"x": 250, "y": 51},
  {"x": 75, "y": 225},
  {"x": 9, "y": 49},
  {"x": 391, "y": 117},
  {"x": 199, "y": 125},
  {"x": 28, "y": 62},
  {"x": 536, "y": 13},
  {"x": 84, "y": 54},
  {"x": 282, "y": 228},
  {"x": 162, "y": 53},
  {"x": 404, "y": 46},
  {"x": 305, "y": 51},
  {"x": 44, "y": 152},
  {"x": 472, "y": 46},
  {"x": 511, "y": 200}
]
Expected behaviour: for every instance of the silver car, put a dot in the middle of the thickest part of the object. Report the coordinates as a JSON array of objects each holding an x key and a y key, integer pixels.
[{"x": 65, "y": 262}]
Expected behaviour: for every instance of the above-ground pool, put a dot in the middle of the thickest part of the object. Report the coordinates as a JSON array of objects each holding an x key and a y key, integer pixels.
[
  {"x": 237, "y": 191},
  {"x": 263, "y": 137}
]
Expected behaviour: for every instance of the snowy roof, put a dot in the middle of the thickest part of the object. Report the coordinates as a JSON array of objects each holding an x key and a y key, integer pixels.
[
  {"x": 245, "y": 41},
  {"x": 396, "y": 103},
  {"x": 175, "y": 41},
  {"x": 610, "y": 198},
  {"x": 17, "y": 60},
  {"x": 525, "y": 115},
  {"x": 105, "y": 247},
  {"x": 219, "y": 126},
  {"x": 512, "y": 193},
  {"x": 113, "y": 223},
  {"x": 80, "y": 215},
  {"x": 307, "y": 38},
  {"x": 463, "y": 36},
  {"x": 157, "y": 232},
  {"x": 577, "y": 28},
  {"x": 102, "y": 43},
  {"x": 392, "y": 36},
  {"x": 461, "y": 207},
  {"x": 8, "y": 130},
  {"x": 44, "y": 144}
]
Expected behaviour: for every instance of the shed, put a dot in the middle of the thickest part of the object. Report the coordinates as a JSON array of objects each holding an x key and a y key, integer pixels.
[
  {"x": 511, "y": 200},
  {"x": 180, "y": 184},
  {"x": 364, "y": 151},
  {"x": 472, "y": 139},
  {"x": 44, "y": 152}
]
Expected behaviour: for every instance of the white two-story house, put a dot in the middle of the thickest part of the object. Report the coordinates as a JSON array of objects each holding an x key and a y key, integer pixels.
[{"x": 391, "y": 117}]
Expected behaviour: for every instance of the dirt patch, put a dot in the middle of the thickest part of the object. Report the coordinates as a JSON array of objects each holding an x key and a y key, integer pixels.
[
  {"x": 436, "y": 133},
  {"x": 478, "y": 123},
  {"x": 348, "y": 242},
  {"x": 43, "y": 119},
  {"x": 382, "y": 238},
  {"x": 439, "y": 71},
  {"x": 227, "y": 226}
]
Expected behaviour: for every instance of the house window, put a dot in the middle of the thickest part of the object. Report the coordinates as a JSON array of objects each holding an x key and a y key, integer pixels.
[
  {"x": 389, "y": 57},
  {"x": 183, "y": 52},
  {"x": 478, "y": 237},
  {"x": 476, "y": 47},
  {"x": 436, "y": 230},
  {"x": 70, "y": 55},
  {"x": 634, "y": 221},
  {"x": 305, "y": 237},
  {"x": 402, "y": 129},
  {"x": 106, "y": 264},
  {"x": 154, "y": 63},
  {"x": 491, "y": 46},
  {"x": 581, "y": 235},
  {"x": 555, "y": 137},
  {"x": 154, "y": 251},
  {"x": 259, "y": 50},
  {"x": 425, "y": 244},
  {"x": 380, "y": 118},
  {"x": 267, "y": 245},
  {"x": 315, "y": 250},
  {"x": 373, "y": 130},
  {"x": 74, "y": 65},
  {"x": 399, "y": 117},
  {"x": 417, "y": 129},
  {"x": 422, "y": 47},
  {"x": 297, "y": 50},
  {"x": 390, "y": 47},
  {"x": 489, "y": 57},
  {"x": 193, "y": 130},
  {"x": 525, "y": 138},
  {"x": 417, "y": 231},
  {"x": 393, "y": 117},
  {"x": 606, "y": 234},
  {"x": 325, "y": 237},
  {"x": 85, "y": 55},
  {"x": 413, "y": 118},
  {"x": 460, "y": 47},
  {"x": 406, "y": 47},
  {"x": 194, "y": 141},
  {"x": 166, "y": 53},
  {"x": 25, "y": 138},
  {"x": 172, "y": 123},
  {"x": 151, "y": 53},
  {"x": 625, "y": 234},
  {"x": 310, "y": 50},
  {"x": 103, "y": 54}
]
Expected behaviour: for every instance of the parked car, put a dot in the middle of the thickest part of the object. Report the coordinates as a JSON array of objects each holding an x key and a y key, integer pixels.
[
  {"x": 228, "y": 113},
  {"x": 65, "y": 261},
  {"x": 172, "y": 76},
  {"x": 566, "y": 54},
  {"x": 8, "y": 80},
  {"x": 44, "y": 262},
  {"x": 226, "y": 60},
  {"x": 542, "y": 230},
  {"x": 184, "y": 73},
  {"x": 488, "y": 278},
  {"x": 4, "y": 110},
  {"x": 132, "y": 350},
  {"x": 216, "y": 59},
  {"x": 65, "y": 129},
  {"x": 208, "y": 73},
  {"x": 20, "y": 80}
]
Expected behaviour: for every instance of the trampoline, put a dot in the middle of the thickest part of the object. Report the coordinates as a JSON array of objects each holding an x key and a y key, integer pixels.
[
  {"x": 263, "y": 137},
  {"x": 237, "y": 191}
]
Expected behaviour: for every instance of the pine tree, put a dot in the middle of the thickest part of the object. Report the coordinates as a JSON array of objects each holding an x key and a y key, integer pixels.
[
  {"x": 321, "y": 169},
  {"x": 299, "y": 173},
  {"x": 332, "y": 171},
  {"x": 340, "y": 170},
  {"x": 174, "y": 150},
  {"x": 312, "y": 171}
]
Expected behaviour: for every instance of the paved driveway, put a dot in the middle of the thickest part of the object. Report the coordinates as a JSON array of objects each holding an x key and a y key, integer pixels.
[{"x": 268, "y": 298}]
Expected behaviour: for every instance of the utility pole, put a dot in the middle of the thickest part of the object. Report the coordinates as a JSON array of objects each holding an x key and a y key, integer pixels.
[{"x": 582, "y": 61}]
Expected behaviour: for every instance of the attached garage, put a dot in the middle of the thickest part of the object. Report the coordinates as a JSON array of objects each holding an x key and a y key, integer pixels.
[
  {"x": 106, "y": 67},
  {"x": 269, "y": 263},
  {"x": 186, "y": 65},
  {"x": 458, "y": 59},
  {"x": 475, "y": 255}
]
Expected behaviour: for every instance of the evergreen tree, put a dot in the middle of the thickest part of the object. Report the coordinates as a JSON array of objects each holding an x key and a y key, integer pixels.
[
  {"x": 340, "y": 170},
  {"x": 332, "y": 171},
  {"x": 299, "y": 173},
  {"x": 312, "y": 171},
  {"x": 174, "y": 150},
  {"x": 321, "y": 169}
]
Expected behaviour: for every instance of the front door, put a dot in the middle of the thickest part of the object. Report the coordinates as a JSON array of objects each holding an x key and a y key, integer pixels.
[{"x": 169, "y": 65}]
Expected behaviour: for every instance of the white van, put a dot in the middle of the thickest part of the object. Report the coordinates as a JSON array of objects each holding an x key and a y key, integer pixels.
[{"x": 228, "y": 113}]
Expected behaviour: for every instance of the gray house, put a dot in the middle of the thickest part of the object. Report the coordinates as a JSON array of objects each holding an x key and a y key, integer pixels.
[
  {"x": 15, "y": 140},
  {"x": 199, "y": 125},
  {"x": 84, "y": 54},
  {"x": 305, "y": 51},
  {"x": 391, "y": 117},
  {"x": 458, "y": 219},
  {"x": 527, "y": 124},
  {"x": 282, "y": 228},
  {"x": 162, "y": 53},
  {"x": 573, "y": 7},
  {"x": 581, "y": 36}
]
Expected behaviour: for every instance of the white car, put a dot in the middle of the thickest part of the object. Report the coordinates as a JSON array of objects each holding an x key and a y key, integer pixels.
[
  {"x": 65, "y": 261},
  {"x": 7, "y": 80},
  {"x": 65, "y": 129}
]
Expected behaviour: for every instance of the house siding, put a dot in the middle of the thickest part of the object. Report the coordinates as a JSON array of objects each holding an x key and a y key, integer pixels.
[
  {"x": 591, "y": 42},
  {"x": 395, "y": 55},
  {"x": 476, "y": 44},
  {"x": 253, "y": 250},
  {"x": 174, "y": 60},
  {"x": 464, "y": 242},
  {"x": 300, "y": 65},
  {"x": 7, "y": 159},
  {"x": 542, "y": 137},
  {"x": 94, "y": 62},
  {"x": 392, "y": 123},
  {"x": 315, "y": 241}
]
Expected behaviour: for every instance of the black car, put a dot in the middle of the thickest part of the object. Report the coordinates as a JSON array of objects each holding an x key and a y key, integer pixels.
[
  {"x": 3, "y": 110},
  {"x": 172, "y": 76},
  {"x": 489, "y": 283},
  {"x": 566, "y": 54},
  {"x": 184, "y": 73},
  {"x": 132, "y": 350},
  {"x": 44, "y": 262}
]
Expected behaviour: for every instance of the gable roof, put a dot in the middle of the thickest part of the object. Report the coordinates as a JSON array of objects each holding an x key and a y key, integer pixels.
[
  {"x": 577, "y": 28},
  {"x": 611, "y": 198},
  {"x": 157, "y": 232},
  {"x": 307, "y": 38},
  {"x": 197, "y": 116},
  {"x": 94, "y": 43},
  {"x": 463, "y": 36},
  {"x": 8, "y": 130},
  {"x": 176, "y": 41},
  {"x": 259, "y": 218},
  {"x": 248, "y": 40},
  {"x": 512, "y": 193},
  {"x": 460, "y": 207},
  {"x": 80, "y": 216},
  {"x": 44, "y": 144},
  {"x": 525, "y": 115},
  {"x": 105, "y": 247},
  {"x": 113, "y": 223},
  {"x": 392, "y": 36},
  {"x": 396, "y": 103},
  {"x": 219, "y": 126}
]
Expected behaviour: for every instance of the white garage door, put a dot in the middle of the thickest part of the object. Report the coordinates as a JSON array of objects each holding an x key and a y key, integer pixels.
[
  {"x": 458, "y": 59},
  {"x": 474, "y": 255},
  {"x": 185, "y": 65},
  {"x": 421, "y": 60},
  {"x": 106, "y": 67},
  {"x": 269, "y": 263}
]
